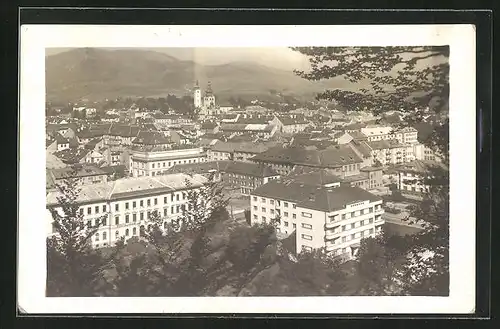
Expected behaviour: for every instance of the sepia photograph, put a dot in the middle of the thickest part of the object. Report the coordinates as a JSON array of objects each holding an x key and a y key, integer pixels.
[{"x": 286, "y": 170}]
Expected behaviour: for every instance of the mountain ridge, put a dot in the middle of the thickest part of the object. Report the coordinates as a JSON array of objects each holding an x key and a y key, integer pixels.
[{"x": 97, "y": 73}]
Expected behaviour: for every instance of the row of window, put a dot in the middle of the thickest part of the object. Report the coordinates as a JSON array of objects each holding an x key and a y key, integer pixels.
[
  {"x": 353, "y": 214},
  {"x": 271, "y": 202},
  {"x": 174, "y": 163},
  {"x": 134, "y": 204},
  {"x": 173, "y": 210},
  {"x": 357, "y": 235},
  {"x": 353, "y": 225}
]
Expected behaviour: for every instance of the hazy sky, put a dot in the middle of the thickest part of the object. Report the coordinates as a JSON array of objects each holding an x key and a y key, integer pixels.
[{"x": 283, "y": 58}]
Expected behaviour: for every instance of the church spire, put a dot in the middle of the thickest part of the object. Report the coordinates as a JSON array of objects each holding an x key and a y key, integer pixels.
[
  {"x": 209, "y": 88},
  {"x": 197, "y": 85}
]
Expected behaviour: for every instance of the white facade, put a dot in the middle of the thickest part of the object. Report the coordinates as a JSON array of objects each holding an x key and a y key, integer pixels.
[
  {"x": 197, "y": 98},
  {"x": 339, "y": 232},
  {"x": 406, "y": 135},
  {"x": 128, "y": 216},
  {"x": 152, "y": 163}
]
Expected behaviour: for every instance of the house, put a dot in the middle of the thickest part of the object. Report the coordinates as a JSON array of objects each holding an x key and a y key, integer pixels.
[
  {"x": 94, "y": 157},
  {"x": 406, "y": 135},
  {"x": 153, "y": 160},
  {"x": 341, "y": 158},
  {"x": 347, "y": 137},
  {"x": 73, "y": 156},
  {"x": 391, "y": 152},
  {"x": 209, "y": 127},
  {"x": 84, "y": 174},
  {"x": 151, "y": 139},
  {"x": 293, "y": 123},
  {"x": 122, "y": 208},
  {"x": 412, "y": 176},
  {"x": 243, "y": 177},
  {"x": 328, "y": 217},
  {"x": 179, "y": 137}
]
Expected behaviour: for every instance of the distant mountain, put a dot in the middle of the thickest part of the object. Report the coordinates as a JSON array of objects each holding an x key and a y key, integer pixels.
[{"x": 96, "y": 73}]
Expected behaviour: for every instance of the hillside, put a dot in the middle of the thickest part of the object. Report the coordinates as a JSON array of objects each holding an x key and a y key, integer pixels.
[{"x": 99, "y": 73}]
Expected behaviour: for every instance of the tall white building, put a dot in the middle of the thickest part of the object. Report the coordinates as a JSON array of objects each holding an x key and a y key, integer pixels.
[
  {"x": 407, "y": 135},
  {"x": 123, "y": 206},
  {"x": 326, "y": 215},
  {"x": 197, "y": 96}
]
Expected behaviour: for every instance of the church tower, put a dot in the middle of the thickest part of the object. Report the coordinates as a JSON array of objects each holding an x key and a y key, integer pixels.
[
  {"x": 209, "y": 99},
  {"x": 197, "y": 96}
]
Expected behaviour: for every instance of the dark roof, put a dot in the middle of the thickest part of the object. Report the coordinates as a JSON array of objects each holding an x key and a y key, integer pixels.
[
  {"x": 150, "y": 138},
  {"x": 60, "y": 139},
  {"x": 53, "y": 127},
  {"x": 369, "y": 168},
  {"x": 71, "y": 155},
  {"x": 420, "y": 166},
  {"x": 355, "y": 126},
  {"x": 362, "y": 147},
  {"x": 234, "y": 167},
  {"x": 92, "y": 143},
  {"x": 384, "y": 144},
  {"x": 50, "y": 181},
  {"x": 316, "y": 177},
  {"x": 312, "y": 197},
  {"x": 208, "y": 125},
  {"x": 331, "y": 157},
  {"x": 82, "y": 170},
  {"x": 358, "y": 135},
  {"x": 114, "y": 169}
]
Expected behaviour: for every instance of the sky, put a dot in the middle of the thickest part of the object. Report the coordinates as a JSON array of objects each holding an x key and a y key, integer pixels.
[{"x": 277, "y": 57}]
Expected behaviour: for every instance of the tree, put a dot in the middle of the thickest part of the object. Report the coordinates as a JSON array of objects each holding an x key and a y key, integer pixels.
[
  {"x": 74, "y": 268},
  {"x": 411, "y": 80},
  {"x": 400, "y": 78}
]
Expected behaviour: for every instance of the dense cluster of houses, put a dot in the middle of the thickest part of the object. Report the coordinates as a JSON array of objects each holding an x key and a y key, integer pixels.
[{"x": 319, "y": 174}]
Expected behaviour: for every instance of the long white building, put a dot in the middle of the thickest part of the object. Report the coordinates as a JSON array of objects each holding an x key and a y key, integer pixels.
[
  {"x": 123, "y": 206},
  {"x": 325, "y": 215},
  {"x": 407, "y": 135},
  {"x": 155, "y": 161}
]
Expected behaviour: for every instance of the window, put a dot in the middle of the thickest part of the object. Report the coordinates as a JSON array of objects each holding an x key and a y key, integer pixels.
[
  {"x": 117, "y": 233},
  {"x": 294, "y": 216},
  {"x": 104, "y": 221},
  {"x": 97, "y": 222},
  {"x": 89, "y": 210},
  {"x": 254, "y": 198},
  {"x": 343, "y": 227},
  {"x": 294, "y": 206},
  {"x": 353, "y": 225},
  {"x": 134, "y": 231},
  {"x": 153, "y": 166},
  {"x": 177, "y": 209},
  {"x": 148, "y": 202},
  {"x": 134, "y": 218},
  {"x": 117, "y": 220},
  {"x": 126, "y": 219},
  {"x": 285, "y": 204},
  {"x": 370, "y": 220},
  {"x": 81, "y": 211},
  {"x": 177, "y": 197},
  {"x": 294, "y": 225},
  {"x": 344, "y": 250},
  {"x": 285, "y": 214},
  {"x": 362, "y": 212},
  {"x": 264, "y": 218},
  {"x": 344, "y": 239},
  {"x": 97, "y": 236},
  {"x": 370, "y": 210},
  {"x": 263, "y": 200},
  {"x": 172, "y": 209},
  {"x": 271, "y": 201},
  {"x": 163, "y": 164},
  {"x": 263, "y": 209},
  {"x": 308, "y": 226},
  {"x": 371, "y": 231},
  {"x": 306, "y": 214},
  {"x": 126, "y": 232},
  {"x": 353, "y": 236},
  {"x": 165, "y": 199},
  {"x": 254, "y": 216},
  {"x": 353, "y": 214},
  {"x": 255, "y": 208},
  {"x": 89, "y": 223},
  {"x": 104, "y": 236},
  {"x": 286, "y": 224},
  {"x": 117, "y": 207},
  {"x": 362, "y": 233},
  {"x": 156, "y": 201},
  {"x": 165, "y": 212},
  {"x": 306, "y": 248},
  {"x": 306, "y": 237},
  {"x": 141, "y": 216}
]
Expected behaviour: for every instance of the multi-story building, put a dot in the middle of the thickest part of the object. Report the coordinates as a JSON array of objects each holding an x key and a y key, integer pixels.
[
  {"x": 411, "y": 176},
  {"x": 341, "y": 158},
  {"x": 293, "y": 123},
  {"x": 241, "y": 176},
  {"x": 331, "y": 217},
  {"x": 84, "y": 174},
  {"x": 122, "y": 208},
  {"x": 389, "y": 152},
  {"x": 406, "y": 135},
  {"x": 152, "y": 161}
]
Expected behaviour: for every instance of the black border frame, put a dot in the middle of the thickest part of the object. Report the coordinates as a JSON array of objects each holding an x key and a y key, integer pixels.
[{"x": 133, "y": 16}]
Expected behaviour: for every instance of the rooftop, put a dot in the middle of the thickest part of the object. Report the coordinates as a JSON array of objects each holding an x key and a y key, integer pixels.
[
  {"x": 77, "y": 170},
  {"x": 131, "y": 187},
  {"x": 313, "y": 197}
]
